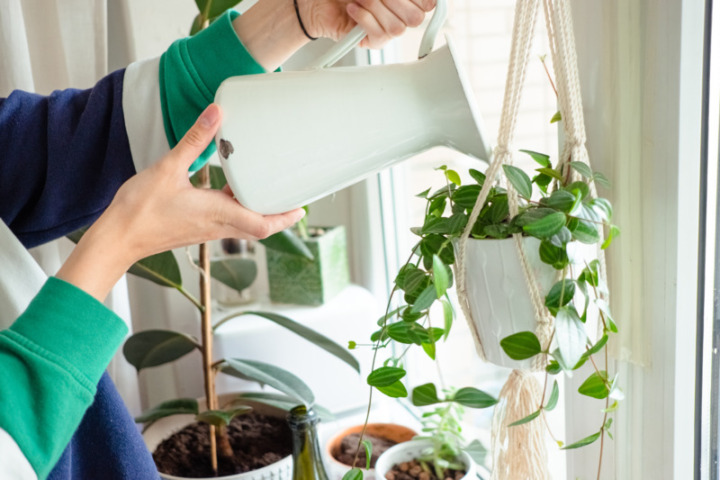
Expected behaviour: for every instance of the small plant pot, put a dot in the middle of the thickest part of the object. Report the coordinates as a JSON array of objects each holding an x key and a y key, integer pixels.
[
  {"x": 390, "y": 431},
  {"x": 498, "y": 294},
  {"x": 408, "y": 451},
  {"x": 165, "y": 427},
  {"x": 297, "y": 280}
]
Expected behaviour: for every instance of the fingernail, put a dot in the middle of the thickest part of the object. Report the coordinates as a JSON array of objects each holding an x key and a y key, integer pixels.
[{"x": 210, "y": 116}]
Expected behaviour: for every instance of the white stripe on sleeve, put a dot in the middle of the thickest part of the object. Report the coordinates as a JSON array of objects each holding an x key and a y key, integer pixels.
[
  {"x": 13, "y": 464},
  {"x": 143, "y": 113}
]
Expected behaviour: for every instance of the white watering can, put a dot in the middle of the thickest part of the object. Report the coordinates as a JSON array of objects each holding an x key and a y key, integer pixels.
[{"x": 290, "y": 138}]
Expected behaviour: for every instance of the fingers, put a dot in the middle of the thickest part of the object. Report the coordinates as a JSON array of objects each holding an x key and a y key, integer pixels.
[
  {"x": 243, "y": 223},
  {"x": 198, "y": 137},
  {"x": 377, "y": 20}
]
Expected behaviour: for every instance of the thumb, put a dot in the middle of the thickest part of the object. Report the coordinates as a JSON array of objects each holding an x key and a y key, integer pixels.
[{"x": 198, "y": 137}]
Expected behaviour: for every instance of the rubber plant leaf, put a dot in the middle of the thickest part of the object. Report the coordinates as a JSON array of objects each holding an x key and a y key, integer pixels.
[
  {"x": 276, "y": 377},
  {"x": 308, "y": 334},
  {"x": 287, "y": 242},
  {"x": 171, "y": 407},
  {"x": 151, "y": 348},
  {"x": 236, "y": 273}
]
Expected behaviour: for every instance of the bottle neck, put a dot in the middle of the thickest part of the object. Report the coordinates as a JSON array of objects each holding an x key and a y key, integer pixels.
[{"x": 307, "y": 459}]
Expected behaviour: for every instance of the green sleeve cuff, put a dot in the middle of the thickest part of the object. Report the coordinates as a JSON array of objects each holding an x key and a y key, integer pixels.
[
  {"x": 52, "y": 358},
  {"x": 191, "y": 71},
  {"x": 65, "y": 321}
]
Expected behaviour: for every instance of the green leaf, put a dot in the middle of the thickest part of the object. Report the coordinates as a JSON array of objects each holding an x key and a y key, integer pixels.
[
  {"x": 267, "y": 374},
  {"x": 597, "y": 347},
  {"x": 560, "y": 200},
  {"x": 532, "y": 215},
  {"x": 352, "y": 345},
  {"x": 286, "y": 241},
  {"x": 221, "y": 417},
  {"x": 435, "y": 225},
  {"x": 201, "y": 4},
  {"x": 197, "y": 24},
  {"x": 552, "y": 255},
  {"x": 354, "y": 474},
  {"x": 570, "y": 335},
  {"x": 474, "y": 398},
  {"x": 547, "y": 226},
  {"x": 449, "y": 316},
  {"x": 423, "y": 194},
  {"x": 582, "y": 168},
  {"x": 560, "y": 294},
  {"x": 385, "y": 376},
  {"x": 424, "y": 395},
  {"x": 553, "y": 367},
  {"x": 441, "y": 277},
  {"x": 395, "y": 390},
  {"x": 540, "y": 158},
  {"x": 429, "y": 349},
  {"x": 605, "y": 309},
  {"x": 477, "y": 451},
  {"x": 519, "y": 180},
  {"x": 425, "y": 299},
  {"x": 527, "y": 419},
  {"x": 522, "y": 345},
  {"x": 219, "y": 7},
  {"x": 171, "y": 407},
  {"x": 498, "y": 211},
  {"x": 437, "y": 206},
  {"x": 406, "y": 332},
  {"x": 586, "y": 232},
  {"x": 368, "y": 452},
  {"x": 478, "y": 176},
  {"x": 596, "y": 385},
  {"x": 453, "y": 177},
  {"x": 556, "y": 118},
  {"x": 550, "y": 172},
  {"x": 578, "y": 188},
  {"x": 542, "y": 181},
  {"x": 439, "y": 245},
  {"x": 312, "y": 336},
  {"x": 554, "y": 396},
  {"x": 562, "y": 238},
  {"x": 466, "y": 196},
  {"x": 161, "y": 268},
  {"x": 603, "y": 208},
  {"x": 614, "y": 232},
  {"x": 602, "y": 180},
  {"x": 457, "y": 223},
  {"x": 585, "y": 441},
  {"x": 236, "y": 273},
  {"x": 151, "y": 348}
]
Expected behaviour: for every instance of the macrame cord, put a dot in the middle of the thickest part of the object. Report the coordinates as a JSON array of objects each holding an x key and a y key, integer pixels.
[{"x": 519, "y": 452}]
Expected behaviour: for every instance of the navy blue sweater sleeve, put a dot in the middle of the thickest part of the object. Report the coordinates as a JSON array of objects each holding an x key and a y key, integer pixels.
[{"x": 62, "y": 158}]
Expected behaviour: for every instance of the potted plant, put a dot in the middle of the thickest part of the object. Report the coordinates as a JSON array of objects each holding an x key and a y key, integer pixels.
[
  {"x": 310, "y": 281},
  {"x": 341, "y": 448}
]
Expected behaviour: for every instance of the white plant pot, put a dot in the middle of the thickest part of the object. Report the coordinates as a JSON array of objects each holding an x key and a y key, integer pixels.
[
  {"x": 407, "y": 451},
  {"x": 165, "y": 427},
  {"x": 498, "y": 294}
]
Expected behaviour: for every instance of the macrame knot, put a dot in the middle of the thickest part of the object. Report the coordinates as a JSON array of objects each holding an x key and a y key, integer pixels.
[{"x": 502, "y": 151}]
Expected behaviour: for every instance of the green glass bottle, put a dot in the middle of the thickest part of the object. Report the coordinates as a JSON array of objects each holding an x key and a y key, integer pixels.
[{"x": 307, "y": 461}]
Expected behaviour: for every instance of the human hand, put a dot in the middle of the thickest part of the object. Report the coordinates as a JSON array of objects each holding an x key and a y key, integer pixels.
[
  {"x": 158, "y": 210},
  {"x": 381, "y": 19}
]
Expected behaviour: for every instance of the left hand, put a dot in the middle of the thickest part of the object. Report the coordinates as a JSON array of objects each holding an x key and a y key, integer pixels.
[{"x": 381, "y": 19}]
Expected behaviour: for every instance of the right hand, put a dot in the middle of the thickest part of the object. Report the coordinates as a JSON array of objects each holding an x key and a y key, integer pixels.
[{"x": 158, "y": 209}]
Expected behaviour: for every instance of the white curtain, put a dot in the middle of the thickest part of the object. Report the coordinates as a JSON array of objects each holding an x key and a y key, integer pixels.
[{"x": 54, "y": 44}]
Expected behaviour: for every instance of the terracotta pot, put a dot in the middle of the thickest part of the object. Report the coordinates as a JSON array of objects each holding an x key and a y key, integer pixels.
[
  {"x": 498, "y": 294},
  {"x": 165, "y": 427},
  {"x": 407, "y": 451},
  {"x": 389, "y": 431}
]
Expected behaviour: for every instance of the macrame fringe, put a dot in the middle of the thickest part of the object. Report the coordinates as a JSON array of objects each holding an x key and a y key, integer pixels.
[{"x": 519, "y": 452}]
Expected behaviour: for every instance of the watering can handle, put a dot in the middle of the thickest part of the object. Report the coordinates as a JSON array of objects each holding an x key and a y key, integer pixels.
[{"x": 356, "y": 35}]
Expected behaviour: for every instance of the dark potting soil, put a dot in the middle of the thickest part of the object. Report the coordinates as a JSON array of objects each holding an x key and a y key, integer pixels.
[
  {"x": 414, "y": 471},
  {"x": 349, "y": 445},
  {"x": 257, "y": 441}
]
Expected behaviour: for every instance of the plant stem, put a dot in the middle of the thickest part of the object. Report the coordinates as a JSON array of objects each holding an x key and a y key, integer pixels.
[
  {"x": 552, "y": 84},
  {"x": 206, "y": 330},
  {"x": 190, "y": 297}
]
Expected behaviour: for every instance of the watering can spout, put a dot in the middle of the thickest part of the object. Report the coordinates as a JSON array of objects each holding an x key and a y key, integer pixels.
[{"x": 299, "y": 136}]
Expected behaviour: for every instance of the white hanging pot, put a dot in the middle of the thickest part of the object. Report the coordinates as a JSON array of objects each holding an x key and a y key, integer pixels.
[
  {"x": 498, "y": 295},
  {"x": 163, "y": 428},
  {"x": 408, "y": 451},
  {"x": 311, "y": 133}
]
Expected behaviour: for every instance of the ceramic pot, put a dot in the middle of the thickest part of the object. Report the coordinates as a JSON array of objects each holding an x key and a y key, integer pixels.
[
  {"x": 389, "y": 431},
  {"x": 407, "y": 451},
  {"x": 498, "y": 294},
  {"x": 296, "y": 280},
  {"x": 165, "y": 427}
]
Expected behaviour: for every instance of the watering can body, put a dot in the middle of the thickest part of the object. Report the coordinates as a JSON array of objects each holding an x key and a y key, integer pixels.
[{"x": 289, "y": 138}]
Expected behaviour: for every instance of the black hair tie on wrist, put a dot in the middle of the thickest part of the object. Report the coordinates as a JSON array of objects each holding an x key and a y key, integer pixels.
[{"x": 297, "y": 12}]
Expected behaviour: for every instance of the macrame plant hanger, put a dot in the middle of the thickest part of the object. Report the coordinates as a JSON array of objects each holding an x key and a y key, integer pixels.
[{"x": 519, "y": 452}]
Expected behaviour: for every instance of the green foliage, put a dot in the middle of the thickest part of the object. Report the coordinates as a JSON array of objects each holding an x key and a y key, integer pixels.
[
  {"x": 270, "y": 375},
  {"x": 236, "y": 273},
  {"x": 152, "y": 348}
]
